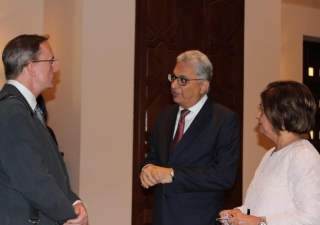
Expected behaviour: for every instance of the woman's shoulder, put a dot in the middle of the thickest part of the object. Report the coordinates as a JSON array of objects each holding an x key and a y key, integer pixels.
[{"x": 303, "y": 148}]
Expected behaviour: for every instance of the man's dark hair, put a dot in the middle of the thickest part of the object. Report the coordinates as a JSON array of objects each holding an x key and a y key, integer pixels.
[{"x": 19, "y": 51}]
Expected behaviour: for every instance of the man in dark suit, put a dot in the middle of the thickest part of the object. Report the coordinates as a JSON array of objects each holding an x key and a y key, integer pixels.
[
  {"x": 190, "y": 178},
  {"x": 33, "y": 177}
]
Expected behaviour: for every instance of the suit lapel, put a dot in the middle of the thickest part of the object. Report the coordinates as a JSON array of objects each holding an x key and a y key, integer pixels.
[
  {"x": 167, "y": 133},
  {"x": 201, "y": 120}
]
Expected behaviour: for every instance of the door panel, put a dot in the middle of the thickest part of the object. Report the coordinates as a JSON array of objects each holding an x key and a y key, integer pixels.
[{"x": 164, "y": 29}]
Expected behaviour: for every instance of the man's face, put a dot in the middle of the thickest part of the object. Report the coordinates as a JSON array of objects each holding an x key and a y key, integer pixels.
[
  {"x": 45, "y": 71},
  {"x": 188, "y": 95}
]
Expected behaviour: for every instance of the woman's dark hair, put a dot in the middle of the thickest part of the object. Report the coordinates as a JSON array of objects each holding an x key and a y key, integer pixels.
[
  {"x": 19, "y": 51},
  {"x": 290, "y": 106}
]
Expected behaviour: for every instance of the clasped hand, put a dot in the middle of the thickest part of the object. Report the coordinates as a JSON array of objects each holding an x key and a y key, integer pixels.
[
  {"x": 82, "y": 215},
  {"x": 236, "y": 217},
  {"x": 152, "y": 175}
]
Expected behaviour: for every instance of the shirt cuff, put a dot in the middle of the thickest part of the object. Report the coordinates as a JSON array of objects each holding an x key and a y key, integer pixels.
[{"x": 76, "y": 202}]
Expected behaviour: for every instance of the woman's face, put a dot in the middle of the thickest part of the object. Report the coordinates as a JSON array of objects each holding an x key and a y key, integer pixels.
[{"x": 265, "y": 127}]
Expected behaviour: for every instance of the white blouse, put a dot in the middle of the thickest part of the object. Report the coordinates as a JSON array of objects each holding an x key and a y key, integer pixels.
[{"x": 286, "y": 186}]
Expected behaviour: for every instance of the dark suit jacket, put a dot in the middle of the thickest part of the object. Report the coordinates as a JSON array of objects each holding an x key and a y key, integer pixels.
[
  {"x": 31, "y": 168},
  {"x": 205, "y": 163}
]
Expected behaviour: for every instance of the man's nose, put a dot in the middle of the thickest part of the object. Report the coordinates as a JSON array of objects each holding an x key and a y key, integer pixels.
[
  {"x": 55, "y": 68},
  {"x": 175, "y": 84}
]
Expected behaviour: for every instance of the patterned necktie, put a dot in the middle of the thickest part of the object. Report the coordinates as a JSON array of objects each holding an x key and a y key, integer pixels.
[
  {"x": 180, "y": 128},
  {"x": 39, "y": 114}
]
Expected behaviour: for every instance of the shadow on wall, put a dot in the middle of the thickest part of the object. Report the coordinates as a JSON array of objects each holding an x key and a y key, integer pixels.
[
  {"x": 267, "y": 144},
  {"x": 263, "y": 140}
]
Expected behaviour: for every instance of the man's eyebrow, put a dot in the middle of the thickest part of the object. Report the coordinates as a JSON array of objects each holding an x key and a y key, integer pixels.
[{"x": 181, "y": 75}]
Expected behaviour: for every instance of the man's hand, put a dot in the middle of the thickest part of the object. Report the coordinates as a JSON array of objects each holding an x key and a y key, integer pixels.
[
  {"x": 152, "y": 175},
  {"x": 81, "y": 212},
  {"x": 164, "y": 174}
]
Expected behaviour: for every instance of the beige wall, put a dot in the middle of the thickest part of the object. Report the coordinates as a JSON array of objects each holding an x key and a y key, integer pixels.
[
  {"x": 261, "y": 66},
  {"x": 15, "y": 19},
  {"x": 273, "y": 50},
  {"x": 91, "y": 107},
  {"x": 63, "y": 22},
  {"x": 107, "y": 110},
  {"x": 297, "y": 21}
]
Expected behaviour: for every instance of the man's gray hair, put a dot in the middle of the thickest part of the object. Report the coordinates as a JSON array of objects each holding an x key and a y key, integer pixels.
[
  {"x": 202, "y": 64},
  {"x": 19, "y": 51}
]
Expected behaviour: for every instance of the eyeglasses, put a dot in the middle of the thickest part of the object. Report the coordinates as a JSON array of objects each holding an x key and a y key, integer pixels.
[
  {"x": 181, "y": 80},
  {"x": 51, "y": 61}
]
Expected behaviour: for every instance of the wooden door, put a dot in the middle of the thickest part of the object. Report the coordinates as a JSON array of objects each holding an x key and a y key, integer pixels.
[{"x": 164, "y": 29}]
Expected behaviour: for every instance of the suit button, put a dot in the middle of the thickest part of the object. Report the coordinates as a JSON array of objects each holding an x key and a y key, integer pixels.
[{"x": 165, "y": 196}]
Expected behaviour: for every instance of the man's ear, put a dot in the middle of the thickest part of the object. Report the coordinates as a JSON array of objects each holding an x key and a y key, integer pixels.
[
  {"x": 204, "y": 86},
  {"x": 31, "y": 68}
]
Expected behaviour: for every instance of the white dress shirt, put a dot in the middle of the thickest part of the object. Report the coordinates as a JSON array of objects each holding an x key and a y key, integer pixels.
[
  {"x": 25, "y": 92},
  {"x": 194, "y": 110}
]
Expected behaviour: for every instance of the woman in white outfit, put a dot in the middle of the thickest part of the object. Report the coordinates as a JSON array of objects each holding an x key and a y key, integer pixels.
[{"x": 285, "y": 189}]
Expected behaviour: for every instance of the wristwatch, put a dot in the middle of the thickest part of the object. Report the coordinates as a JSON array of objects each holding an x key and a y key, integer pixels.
[{"x": 263, "y": 221}]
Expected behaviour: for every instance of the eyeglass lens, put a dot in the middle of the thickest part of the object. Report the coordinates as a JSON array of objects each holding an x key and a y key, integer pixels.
[
  {"x": 181, "y": 81},
  {"x": 54, "y": 61}
]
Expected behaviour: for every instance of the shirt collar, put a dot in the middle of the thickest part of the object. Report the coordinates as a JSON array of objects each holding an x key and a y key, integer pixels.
[
  {"x": 25, "y": 92},
  {"x": 197, "y": 107}
]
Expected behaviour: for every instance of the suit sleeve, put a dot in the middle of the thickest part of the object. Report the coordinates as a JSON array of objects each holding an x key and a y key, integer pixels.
[
  {"x": 152, "y": 157},
  {"x": 22, "y": 160},
  {"x": 73, "y": 197},
  {"x": 220, "y": 171}
]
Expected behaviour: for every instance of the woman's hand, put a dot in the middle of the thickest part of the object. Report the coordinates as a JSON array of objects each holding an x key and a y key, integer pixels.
[
  {"x": 239, "y": 218},
  {"x": 236, "y": 217},
  {"x": 225, "y": 214}
]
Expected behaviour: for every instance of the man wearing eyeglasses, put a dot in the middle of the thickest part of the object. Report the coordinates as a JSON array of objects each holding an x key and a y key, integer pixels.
[
  {"x": 191, "y": 172},
  {"x": 34, "y": 183}
]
